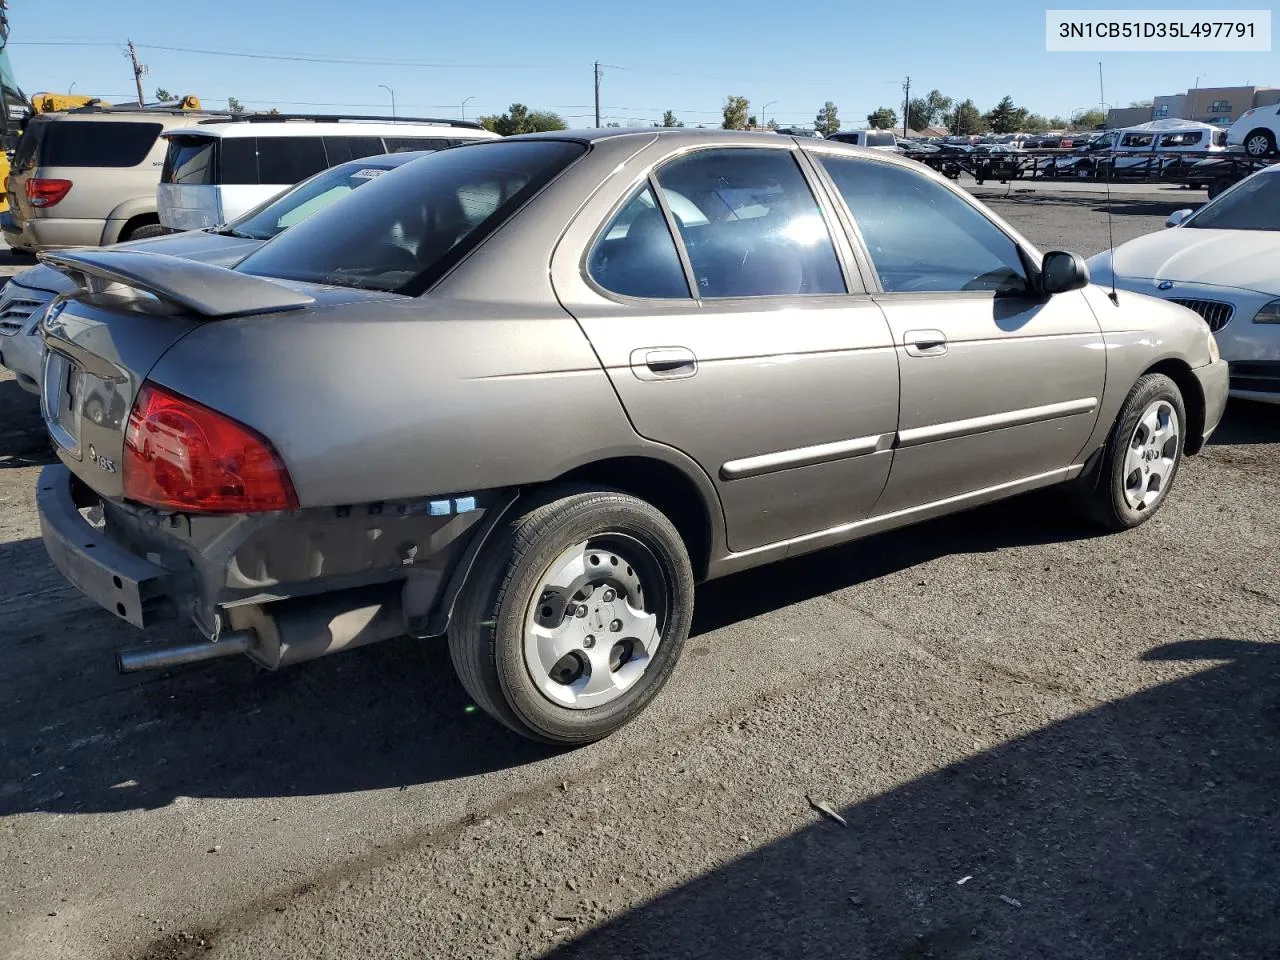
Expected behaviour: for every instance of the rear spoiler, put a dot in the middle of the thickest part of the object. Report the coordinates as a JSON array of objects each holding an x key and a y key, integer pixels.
[{"x": 212, "y": 292}]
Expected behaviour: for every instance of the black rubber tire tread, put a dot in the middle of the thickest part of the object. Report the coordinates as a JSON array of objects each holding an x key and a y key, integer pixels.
[
  {"x": 144, "y": 232},
  {"x": 1101, "y": 498},
  {"x": 486, "y": 635}
]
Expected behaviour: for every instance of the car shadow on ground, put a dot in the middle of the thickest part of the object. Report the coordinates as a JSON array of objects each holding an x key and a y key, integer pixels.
[
  {"x": 1146, "y": 828},
  {"x": 1248, "y": 422},
  {"x": 15, "y": 258},
  {"x": 393, "y": 714},
  {"x": 24, "y": 441}
]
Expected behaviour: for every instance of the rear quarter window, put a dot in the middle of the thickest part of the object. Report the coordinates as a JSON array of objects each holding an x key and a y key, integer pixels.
[
  {"x": 70, "y": 143},
  {"x": 25, "y": 155}
]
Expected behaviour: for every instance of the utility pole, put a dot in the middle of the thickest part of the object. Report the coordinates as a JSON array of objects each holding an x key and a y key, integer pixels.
[
  {"x": 597, "y": 76},
  {"x": 906, "y": 104},
  {"x": 1102, "y": 97},
  {"x": 138, "y": 70}
]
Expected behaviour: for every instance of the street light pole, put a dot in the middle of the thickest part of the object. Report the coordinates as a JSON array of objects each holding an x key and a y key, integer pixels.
[
  {"x": 1194, "y": 91},
  {"x": 764, "y": 114},
  {"x": 464, "y": 106},
  {"x": 72, "y": 87},
  {"x": 393, "y": 98}
]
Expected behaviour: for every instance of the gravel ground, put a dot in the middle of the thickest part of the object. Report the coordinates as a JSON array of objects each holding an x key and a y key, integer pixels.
[{"x": 1041, "y": 742}]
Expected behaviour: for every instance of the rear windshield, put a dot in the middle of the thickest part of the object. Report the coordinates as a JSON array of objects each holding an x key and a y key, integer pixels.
[
  {"x": 294, "y": 206},
  {"x": 881, "y": 138},
  {"x": 189, "y": 160},
  {"x": 411, "y": 225},
  {"x": 71, "y": 143}
]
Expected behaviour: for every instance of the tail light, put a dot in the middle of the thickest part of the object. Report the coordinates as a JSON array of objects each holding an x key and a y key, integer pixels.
[
  {"x": 180, "y": 455},
  {"x": 47, "y": 193}
]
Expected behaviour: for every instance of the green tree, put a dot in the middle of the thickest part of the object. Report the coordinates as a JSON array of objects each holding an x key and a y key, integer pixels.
[
  {"x": 772, "y": 124},
  {"x": 1056, "y": 122},
  {"x": 885, "y": 118},
  {"x": 752, "y": 122},
  {"x": 519, "y": 119},
  {"x": 1005, "y": 117},
  {"x": 1089, "y": 120},
  {"x": 164, "y": 96},
  {"x": 965, "y": 119},
  {"x": 735, "y": 113},
  {"x": 1035, "y": 124},
  {"x": 1142, "y": 103},
  {"x": 827, "y": 121},
  {"x": 926, "y": 111},
  {"x": 669, "y": 119},
  {"x": 234, "y": 106}
]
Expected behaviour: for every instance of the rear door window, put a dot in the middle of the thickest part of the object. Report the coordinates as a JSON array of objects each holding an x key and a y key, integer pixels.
[
  {"x": 343, "y": 149},
  {"x": 70, "y": 143},
  {"x": 288, "y": 160},
  {"x": 238, "y": 161},
  {"x": 402, "y": 144}
]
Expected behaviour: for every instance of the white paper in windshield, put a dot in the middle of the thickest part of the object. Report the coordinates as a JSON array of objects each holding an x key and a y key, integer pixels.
[{"x": 368, "y": 173}]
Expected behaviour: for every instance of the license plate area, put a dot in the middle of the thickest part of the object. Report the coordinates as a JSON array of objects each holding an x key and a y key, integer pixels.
[{"x": 60, "y": 400}]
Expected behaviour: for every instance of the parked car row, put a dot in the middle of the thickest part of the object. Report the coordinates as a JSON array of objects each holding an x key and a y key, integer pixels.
[
  {"x": 525, "y": 393},
  {"x": 96, "y": 176}
]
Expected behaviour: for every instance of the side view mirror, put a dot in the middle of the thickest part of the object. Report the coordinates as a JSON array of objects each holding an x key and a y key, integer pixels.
[
  {"x": 1178, "y": 216},
  {"x": 1061, "y": 272}
]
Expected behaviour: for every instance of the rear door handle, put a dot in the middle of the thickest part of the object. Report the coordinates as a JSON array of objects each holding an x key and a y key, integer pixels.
[
  {"x": 663, "y": 363},
  {"x": 925, "y": 343}
]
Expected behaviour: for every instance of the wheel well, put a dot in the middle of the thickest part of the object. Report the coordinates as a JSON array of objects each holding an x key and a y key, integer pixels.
[
  {"x": 133, "y": 223},
  {"x": 1192, "y": 398},
  {"x": 664, "y": 486}
]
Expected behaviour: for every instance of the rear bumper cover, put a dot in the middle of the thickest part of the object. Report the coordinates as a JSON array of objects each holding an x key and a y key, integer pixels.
[{"x": 115, "y": 579}]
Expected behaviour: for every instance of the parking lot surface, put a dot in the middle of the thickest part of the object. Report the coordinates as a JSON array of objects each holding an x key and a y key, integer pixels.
[{"x": 1030, "y": 740}]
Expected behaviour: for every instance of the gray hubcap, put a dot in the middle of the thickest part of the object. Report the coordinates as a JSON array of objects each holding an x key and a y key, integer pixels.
[
  {"x": 1258, "y": 146},
  {"x": 588, "y": 637},
  {"x": 1151, "y": 456}
]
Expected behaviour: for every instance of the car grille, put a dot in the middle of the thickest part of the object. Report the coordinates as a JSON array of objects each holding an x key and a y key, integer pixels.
[
  {"x": 1215, "y": 313},
  {"x": 15, "y": 312}
]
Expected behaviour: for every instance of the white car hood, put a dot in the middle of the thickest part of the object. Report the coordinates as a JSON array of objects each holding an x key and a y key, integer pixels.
[{"x": 1248, "y": 259}]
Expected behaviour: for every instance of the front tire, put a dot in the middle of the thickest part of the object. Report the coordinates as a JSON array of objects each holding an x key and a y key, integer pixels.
[
  {"x": 1260, "y": 143},
  {"x": 1140, "y": 458},
  {"x": 574, "y": 616}
]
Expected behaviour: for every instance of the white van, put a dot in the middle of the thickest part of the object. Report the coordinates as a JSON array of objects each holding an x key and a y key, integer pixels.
[
  {"x": 1152, "y": 146},
  {"x": 217, "y": 170}
]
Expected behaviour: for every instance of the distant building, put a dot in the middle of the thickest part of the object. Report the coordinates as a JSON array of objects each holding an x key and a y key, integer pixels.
[
  {"x": 1220, "y": 105},
  {"x": 1169, "y": 108},
  {"x": 1127, "y": 117}
]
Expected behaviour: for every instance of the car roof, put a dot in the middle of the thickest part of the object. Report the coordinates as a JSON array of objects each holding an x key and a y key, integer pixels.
[{"x": 353, "y": 128}]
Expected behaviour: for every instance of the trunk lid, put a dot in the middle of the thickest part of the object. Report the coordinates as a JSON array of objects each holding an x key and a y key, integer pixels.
[{"x": 103, "y": 341}]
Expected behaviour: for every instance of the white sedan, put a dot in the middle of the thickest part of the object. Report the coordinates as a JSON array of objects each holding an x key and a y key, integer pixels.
[{"x": 1222, "y": 261}]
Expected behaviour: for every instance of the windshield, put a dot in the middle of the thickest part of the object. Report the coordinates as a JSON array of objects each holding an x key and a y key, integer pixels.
[
  {"x": 293, "y": 206},
  {"x": 414, "y": 223},
  {"x": 1254, "y": 204}
]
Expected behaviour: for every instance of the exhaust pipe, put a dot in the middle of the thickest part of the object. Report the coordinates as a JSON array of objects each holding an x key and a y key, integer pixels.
[{"x": 161, "y": 656}]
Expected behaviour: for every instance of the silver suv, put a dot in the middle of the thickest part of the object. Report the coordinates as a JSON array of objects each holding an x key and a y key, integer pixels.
[{"x": 87, "y": 178}]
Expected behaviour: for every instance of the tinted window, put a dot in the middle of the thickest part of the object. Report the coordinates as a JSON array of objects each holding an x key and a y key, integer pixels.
[
  {"x": 881, "y": 138},
  {"x": 289, "y": 159},
  {"x": 921, "y": 236},
  {"x": 238, "y": 161},
  {"x": 1252, "y": 205},
  {"x": 294, "y": 206},
  {"x": 1186, "y": 139},
  {"x": 342, "y": 149},
  {"x": 1137, "y": 139},
  {"x": 412, "y": 224},
  {"x": 68, "y": 143},
  {"x": 750, "y": 223},
  {"x": 401, "y": 144},
  {"x": 25, "y": 155},
  {"x": 636, "y": 255},
  {"x": 189, "y": 160}
]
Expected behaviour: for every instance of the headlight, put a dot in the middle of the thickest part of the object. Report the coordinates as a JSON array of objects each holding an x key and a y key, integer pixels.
[
  {"x": 1213, "y": 348},
  {"x": 1269, "y": 313}
]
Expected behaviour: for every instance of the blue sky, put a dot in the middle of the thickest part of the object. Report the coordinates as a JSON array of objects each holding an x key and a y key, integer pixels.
[{"x": 684, "y": 55}]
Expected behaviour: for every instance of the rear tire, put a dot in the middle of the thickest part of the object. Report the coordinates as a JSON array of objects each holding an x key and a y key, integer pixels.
[
  {"x": 144, "y": 232},
  {"x": 1140, "y": 458},
  {"x": 574, "y": 616}
]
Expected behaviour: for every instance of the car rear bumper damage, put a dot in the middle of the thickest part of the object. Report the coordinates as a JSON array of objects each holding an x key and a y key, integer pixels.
[{"x": 282, "y": 588}]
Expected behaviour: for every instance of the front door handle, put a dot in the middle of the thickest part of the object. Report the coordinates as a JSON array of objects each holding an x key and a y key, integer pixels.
[
  {"x": 925, "y": 343},
  {"x": 664, "y": 363}
]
